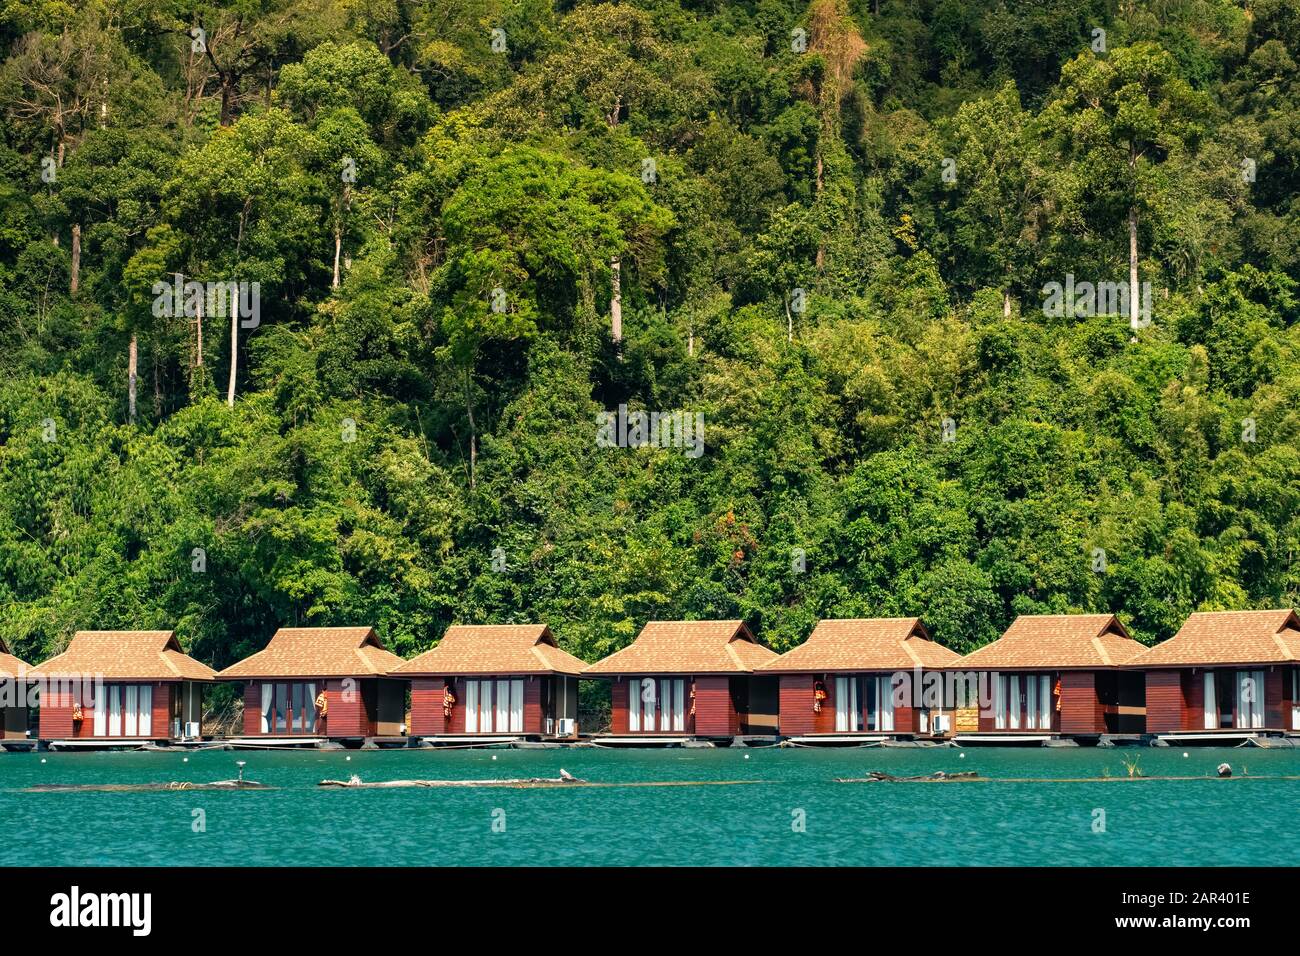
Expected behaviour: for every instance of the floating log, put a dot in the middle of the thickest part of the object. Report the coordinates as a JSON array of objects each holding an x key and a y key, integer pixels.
[
  {"x": 879, "y": 776},
  {"x": 174, "y": 785},
  {"x": 356, "y": 783}
]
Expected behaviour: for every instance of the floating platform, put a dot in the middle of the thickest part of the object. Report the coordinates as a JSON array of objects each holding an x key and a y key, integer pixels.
[
  {"x": 277, "y": 743},
  {"x": 19, "y": 744},
  {"x": 640, "y": 740},
  {"x": 1002, "y": 740},
  {"x": 836, "y": 740},
  {"x": 470, "y": 741}
]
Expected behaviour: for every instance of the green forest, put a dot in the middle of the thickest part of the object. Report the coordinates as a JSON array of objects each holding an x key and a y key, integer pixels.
[{"x": 827, "y": 233}]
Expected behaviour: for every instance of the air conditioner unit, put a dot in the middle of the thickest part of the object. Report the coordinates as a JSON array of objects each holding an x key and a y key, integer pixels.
[
  {"x": 939, "y": 723},
  {"x": 193, "y": 729},
  {"x": 564, "y": 727}
]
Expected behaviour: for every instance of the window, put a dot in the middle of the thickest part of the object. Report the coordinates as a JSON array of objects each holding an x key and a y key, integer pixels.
[
  {"x": 1250, "y": 700},
  {"x": 846, "y": 704},
  {"x": 656, "y": 705},
  {"x": 494, "y": 706},
  {"x": 123, "y": 710},
  {"x": 288, "y": 708},
  {"x": 1295, "y": 698},
  {"x": 1209, "y": 709},
  {"x": 1022, "y": 701}
]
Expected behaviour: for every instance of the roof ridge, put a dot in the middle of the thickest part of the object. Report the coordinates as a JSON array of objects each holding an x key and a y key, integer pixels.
[{"x": 1100, "y": 648}]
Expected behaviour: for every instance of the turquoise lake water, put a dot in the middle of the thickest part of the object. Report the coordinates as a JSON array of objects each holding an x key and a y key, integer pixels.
[{"x": 1199, "y": 822}]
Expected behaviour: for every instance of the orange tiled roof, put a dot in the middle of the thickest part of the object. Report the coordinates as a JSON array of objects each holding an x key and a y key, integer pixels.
[
  {"x": 1058, "y": 641},
  {"x": 495, "y": 649},
  {"x": 1228, "y": 637},
  {"x": 10, "y": 666},
  {"x": 687, "y": 647},
  {"x": 317, "y": 652},
  {"x": 868, "y": 644},
  {"x": 126, "y": 655}
]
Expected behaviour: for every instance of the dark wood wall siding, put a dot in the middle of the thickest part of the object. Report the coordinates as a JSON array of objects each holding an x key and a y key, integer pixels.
[
  {"x": 55, "y": 719},
  {"x": 1081, "y": 711},
  {"x": 346, "y": 713},
  {"x": 1193, "y": 685},
  {"x": 252, "y": 708},
  {"x": 618, "y": 705},
  {"x": 534, "y": 719},
  {"x": 1273, "y": 694},
  {"x": 715, "y": 714},
  {"x": 1167, "y": 703},
  {"x": 427, "y": 718}
]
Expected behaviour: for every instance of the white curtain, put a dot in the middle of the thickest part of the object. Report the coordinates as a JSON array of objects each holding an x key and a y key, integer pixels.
[
  {"x": 268, "y": 690},
  {"x": 1210, "y": 708},
  {"x": 633, "y": 705},
  {"x": 115, "y": 711},
  {"x": 885, "y": 700},
  {"x": 648, "y": 700},
  {"x": 485, "y": 710},
  {"x": 1250, "y": 700},
  {"x": 1295, "y": 698},
  {"x": 145, "y": 719},
  {"x": 1045, "y": 701},
  {"x": 471, "y": 706},
  {"x": 503, "y": 706},
  {"x": 101, "y": 712},
  {"x": 130, "y": 726},
  {"x": 1031, "y": 701},
  {"x": 1013, "y": 696},
  {"x": 679, "y": 705},
  {"x": 999, "y": 702},
  {"x": 516, "y": 706},
  {"x": 846, "y": 704}
]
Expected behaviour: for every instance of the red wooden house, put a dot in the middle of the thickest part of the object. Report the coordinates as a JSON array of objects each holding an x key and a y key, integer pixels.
[
  {"x": 868, "y": 676},
  {"x": 510, "y": 679},
  {"x": 113, "y": 687},
  {"x": 690, "y": 679},
  {"x": 13, "y": 696},
  {"x": 1225, "y": 673},
  {"x": 349, "y": 664},
  {"x": 1054, "y": 675}
]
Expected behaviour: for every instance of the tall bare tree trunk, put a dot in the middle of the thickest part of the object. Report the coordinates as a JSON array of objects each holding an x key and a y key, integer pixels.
[
  {"x": 1006, "y": 304},
  {"x": 616, "y": 299},
  {"x": 1133, "y": 267},
  {"x": 338, "y": 248},
  {"x": 234, "y": 343},
  {"x": 76, "y": 259},
  {"x": 132, "y": 367}
]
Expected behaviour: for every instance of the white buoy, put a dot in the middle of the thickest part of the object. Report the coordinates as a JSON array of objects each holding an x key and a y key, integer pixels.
[
  {"x": 42, "y": 760},
  {"x": 185, "y": 760},
  {"x": 348, "y": 759},
  {"x": 746, "y": 756},
  {"x": 494, "y": 756},
  {"x": 963, "y": 756},
  {"x": 1184, "y": 753}
]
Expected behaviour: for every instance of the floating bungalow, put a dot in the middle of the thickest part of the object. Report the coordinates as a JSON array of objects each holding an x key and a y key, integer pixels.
[
  {"x": 690, "y": 679},
  {"x": 1053, "y": 675},
  {"x": 502, "y": 681},
  {"x": 1225, "y": 674},
  {"x": 111, "y": 688},
  {"x": 854, "y": 680},
  {"x": 14, "y": 715},
  {"x": 349, "y": 666}
]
